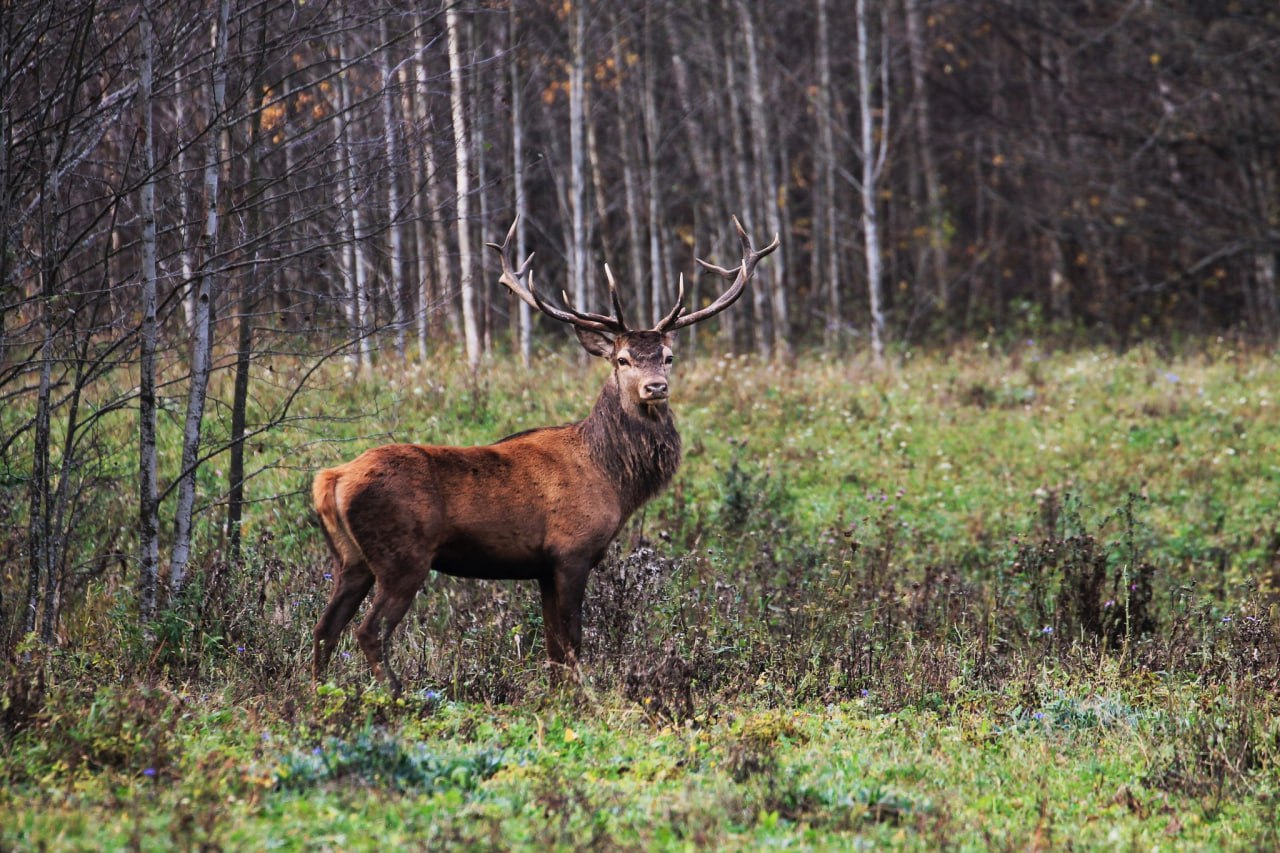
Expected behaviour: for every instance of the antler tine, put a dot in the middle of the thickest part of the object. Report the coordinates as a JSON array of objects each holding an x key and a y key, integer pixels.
[
  {"x": 614, "y": 297},
  {"x": 674, "y": 314},
  {"x": 520, "y": 282},
  {"x": 606, "y": 324},
  {"x": 514, "y": 278},
  {"x": 740, "y": 275}
]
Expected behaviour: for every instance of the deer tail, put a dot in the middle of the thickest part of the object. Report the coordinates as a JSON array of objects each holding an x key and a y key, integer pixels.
[{"x": 333, "y": 518}]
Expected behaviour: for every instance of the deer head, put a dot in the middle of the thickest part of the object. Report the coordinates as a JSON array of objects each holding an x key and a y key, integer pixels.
[{"x": 641, "y": 358}]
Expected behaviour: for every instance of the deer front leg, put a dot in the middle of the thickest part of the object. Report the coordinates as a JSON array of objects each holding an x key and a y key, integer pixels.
[
  {"x": 571, "y": 585},
  {"x": 551, "y": 630}
]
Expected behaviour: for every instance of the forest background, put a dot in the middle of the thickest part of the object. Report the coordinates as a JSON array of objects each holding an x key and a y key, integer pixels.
[{"x": 221, "y": 220}]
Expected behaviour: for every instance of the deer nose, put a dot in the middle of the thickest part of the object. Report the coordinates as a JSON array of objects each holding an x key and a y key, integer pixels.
[{"x": 655, "y": 389}]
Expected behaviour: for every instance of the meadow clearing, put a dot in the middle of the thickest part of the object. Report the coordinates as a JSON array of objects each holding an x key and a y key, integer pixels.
[{"x": 1002, "y": 598}]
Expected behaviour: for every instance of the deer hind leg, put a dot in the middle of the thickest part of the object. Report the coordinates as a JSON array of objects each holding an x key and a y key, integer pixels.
[
  {"x": 352, "y": 584},
  {"x": 390, "y": 603}
]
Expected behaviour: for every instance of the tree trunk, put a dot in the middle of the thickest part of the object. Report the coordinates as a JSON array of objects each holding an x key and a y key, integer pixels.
[
  {"x": 825, "y": 214},
  {"x": 524, "y": 312},
  {"x": 435, "y": 296},
  {"x": 934, "y": 214},
  {"x": 461, "y": 144},
  {"x": 188, "y": 227},
  {"x": 702, "y": 166},
  {"x": 40, "y": 563},
  {"x": 872, "y": 160},
  {"x": 201, "y": 349},
  {"x": 766, "y": 174},
  {"x": 577, "y": 160},
  {"x": 598, "y": 184},
  {"x": 418, "y": 260},
  {"x": 484, "y": 292},
  {"x": 391, "y": 147},
  {"x": 244, "y": 320},
  {"x": 630, "y": 182},
  {"x": 747, "y": 195},
  {"x": 651, "y": 134},
  {"x": 148, "y": 518},
  {"x": 357, "y": 263}
]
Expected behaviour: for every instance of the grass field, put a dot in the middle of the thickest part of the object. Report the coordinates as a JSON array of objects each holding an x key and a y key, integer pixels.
[{"x": 996, "y": 600}]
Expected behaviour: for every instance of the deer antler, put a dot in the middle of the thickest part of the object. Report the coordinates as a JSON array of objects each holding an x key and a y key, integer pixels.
[
  {"x": 519, "y": 280},
  {"x": 677, "y": 319}
]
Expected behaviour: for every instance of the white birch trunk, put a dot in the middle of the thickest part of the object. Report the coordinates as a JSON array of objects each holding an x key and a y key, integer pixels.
[
  {"x": 421, "y": 251},
  {"x": 201, "y": 350},
  {"x": 525, "y": 313},
  {"x": 357, "y": 264},
  {"x": 148, "y": 521},
  {"x": 872, "y": 160},
  {"x": 479, "y": 145},
  {"x": 185, "y": 256},
  {"x": 391, "y": 144},
  {"x": 457, "y": 91}
]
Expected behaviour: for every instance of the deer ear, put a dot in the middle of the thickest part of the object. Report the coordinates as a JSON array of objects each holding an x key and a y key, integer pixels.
[{"x": 596, "y": 343}]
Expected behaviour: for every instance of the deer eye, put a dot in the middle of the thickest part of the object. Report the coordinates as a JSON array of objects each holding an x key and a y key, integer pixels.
[
  {"x": 669, "y": 360},
  {"x": 623, "y": 361}
]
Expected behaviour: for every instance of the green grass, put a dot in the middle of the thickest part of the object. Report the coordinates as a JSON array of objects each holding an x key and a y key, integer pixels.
[
  {"x": 1002, "y": 600},
  {"x": 575, "y": 770}
]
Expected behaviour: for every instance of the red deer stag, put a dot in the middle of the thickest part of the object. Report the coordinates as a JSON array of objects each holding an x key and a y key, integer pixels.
[{"x": 541, "y": 505}]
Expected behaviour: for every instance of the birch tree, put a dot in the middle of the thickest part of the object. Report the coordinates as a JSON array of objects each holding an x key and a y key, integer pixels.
[
  {"x": 148, "y": 514},
  {"x": 202, "y": 336},
  {"x": 357, "y": 264},
  {"x": 873, "y": 123},
  {"x": 391, "y": 150},
  {"x": 524, "y": 312},
  {"x": 461, "y": 142}
]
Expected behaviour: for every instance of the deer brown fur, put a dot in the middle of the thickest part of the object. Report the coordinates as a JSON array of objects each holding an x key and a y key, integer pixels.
[{"x": 540, "y": 505}]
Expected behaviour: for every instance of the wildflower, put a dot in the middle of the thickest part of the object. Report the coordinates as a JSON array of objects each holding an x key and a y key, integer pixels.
[
  {"x": 328, "y": 576},
  {"x": 315, "y": 750},
  {"x": 1047, "y": 629},
  {"x": 150, "y": 771},
  {"x": 1038, "y": 715},
  {"x": 1226, "y": 619},
  {"x": 1170, "y": 376},
  {"x": 1110, "y": 602}
]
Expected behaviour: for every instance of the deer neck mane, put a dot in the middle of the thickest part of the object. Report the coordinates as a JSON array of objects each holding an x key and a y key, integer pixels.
[{"x": 639, "y": 450}]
